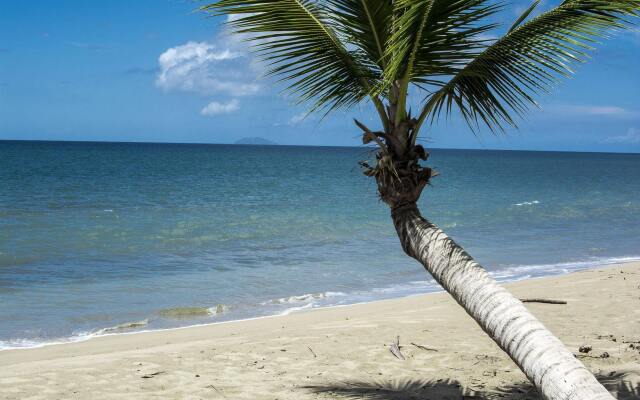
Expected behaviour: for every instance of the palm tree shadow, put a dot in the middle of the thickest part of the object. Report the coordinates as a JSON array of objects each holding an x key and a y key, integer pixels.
[
  {"x": 623, "y": 385},
  {"x": 423, "y": 389},
  {"x": 627, "y": 392},
  {"x": 409, "y": 389}
]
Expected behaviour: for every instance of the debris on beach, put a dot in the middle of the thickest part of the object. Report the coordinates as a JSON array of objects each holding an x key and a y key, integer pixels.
[
  {"x": 395, "y": 349},
  {"x": 543, "y": 301},
  {"x": 607, "y": 337},
  {"x": 585, "y": 349},
  {"x": 424, "y": 347},
  {"x": 148, "y": 376}
]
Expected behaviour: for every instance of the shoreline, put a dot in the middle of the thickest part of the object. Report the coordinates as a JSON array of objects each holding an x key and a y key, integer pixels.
[
  {"x": 337, "y": 352},
  {"x": 578, "y": 266}
]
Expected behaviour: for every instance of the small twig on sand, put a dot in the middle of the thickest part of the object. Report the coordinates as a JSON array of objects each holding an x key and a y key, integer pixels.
[
  {"x": 312, "y": 352},
  {"x": 603, "y": 355},
  {"x": 395, "y": 349},
  {"x": 544, "y": 301},
  {"x": 152, "y": 375},
  {"x": 424, "y": 348},
  {"x": 217, "y": 391}
]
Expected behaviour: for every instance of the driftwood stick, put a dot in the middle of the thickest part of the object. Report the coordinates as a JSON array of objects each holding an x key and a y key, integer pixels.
[
  {"x": 424, "y": 347},
  {"x": 312, "y": 352},
  {"x": 148, "y": 376},
  {"x": 544, "y": 301}
]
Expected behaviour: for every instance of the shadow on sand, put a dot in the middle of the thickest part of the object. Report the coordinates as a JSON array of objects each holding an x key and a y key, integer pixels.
[{"x": 453, "y": 390}]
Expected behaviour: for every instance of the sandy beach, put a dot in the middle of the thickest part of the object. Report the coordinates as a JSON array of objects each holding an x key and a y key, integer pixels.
[{"x": 343, "y": 352}]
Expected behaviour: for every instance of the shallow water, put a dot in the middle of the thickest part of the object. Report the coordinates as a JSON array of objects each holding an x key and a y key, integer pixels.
[{"x": 97, "y": 236}]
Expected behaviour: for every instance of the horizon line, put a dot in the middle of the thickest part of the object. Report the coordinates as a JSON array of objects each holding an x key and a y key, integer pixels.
[{"x": 299, "y": 145}]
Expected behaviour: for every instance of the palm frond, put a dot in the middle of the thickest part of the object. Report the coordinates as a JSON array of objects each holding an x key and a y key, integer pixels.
[
  {"x": 433, "y": 38},
  {"x": 367, "y": 25},
  {"x": 525, "y": 14},
  {"x": 501, "y": 82},
  {"x": 298, "y": 41}
]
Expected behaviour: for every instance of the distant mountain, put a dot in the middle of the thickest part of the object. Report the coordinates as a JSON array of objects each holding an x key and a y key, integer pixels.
[{"x": 255, "y": 140}]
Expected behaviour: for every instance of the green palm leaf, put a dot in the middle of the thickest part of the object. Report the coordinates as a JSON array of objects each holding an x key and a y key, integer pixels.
[
  {"x": 367, "y": 25},
  {"x": 299, "y": 42},
  {"x": 433, "y": 38},
  {"x": 502, "y": 81},
  {"x": 525, "y": 15}
]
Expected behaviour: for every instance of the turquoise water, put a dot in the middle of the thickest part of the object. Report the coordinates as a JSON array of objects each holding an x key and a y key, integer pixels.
[{"x": 97, "y": 236}]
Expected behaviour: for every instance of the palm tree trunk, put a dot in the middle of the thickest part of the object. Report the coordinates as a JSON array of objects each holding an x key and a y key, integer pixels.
[{"x": 553, "y": 369}]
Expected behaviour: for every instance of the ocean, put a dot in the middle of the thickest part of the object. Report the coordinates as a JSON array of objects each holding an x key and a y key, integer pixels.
[{"x": 109, "y": 238}]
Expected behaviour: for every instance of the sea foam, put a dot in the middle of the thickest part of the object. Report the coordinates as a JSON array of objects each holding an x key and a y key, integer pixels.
[{"x": 527, "y": 203}]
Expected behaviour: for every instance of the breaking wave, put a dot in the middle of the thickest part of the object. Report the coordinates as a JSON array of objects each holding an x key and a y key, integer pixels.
[
  {"x": 527, "y": 203},
  {"x": 303, "y": 298}
]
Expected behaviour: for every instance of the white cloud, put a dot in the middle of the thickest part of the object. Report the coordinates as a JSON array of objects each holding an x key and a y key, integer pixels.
[
  {"x": 215, "y": 108},
  {"x": 206, "y": 69},
  {"x": 487, "y": 38},
  {"x": 609, "y": 111},
  {"x": 603, "y": 110},
  {"x": 632, "y": 137},
  {"x": 222, "y": 66},
  {"x": 297, "y": 119}
]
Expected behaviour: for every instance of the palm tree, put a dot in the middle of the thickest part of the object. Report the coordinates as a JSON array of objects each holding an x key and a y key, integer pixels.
[{"x": 335, "y": 54}]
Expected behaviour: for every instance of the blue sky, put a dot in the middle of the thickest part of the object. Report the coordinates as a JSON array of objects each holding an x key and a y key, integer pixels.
[{"x": 153, "y": 70}]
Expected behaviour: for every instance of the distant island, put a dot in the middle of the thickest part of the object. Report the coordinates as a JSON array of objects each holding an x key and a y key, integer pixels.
[{"x": 256, "y": 140}]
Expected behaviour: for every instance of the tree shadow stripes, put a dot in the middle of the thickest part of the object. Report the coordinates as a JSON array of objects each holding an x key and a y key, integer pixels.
[{"x": 424, "y": 389}]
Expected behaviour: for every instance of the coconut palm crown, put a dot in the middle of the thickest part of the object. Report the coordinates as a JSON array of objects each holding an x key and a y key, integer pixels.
[
  {"x": 338, "y": 53},
  {"x": 335, "y": 54}
]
